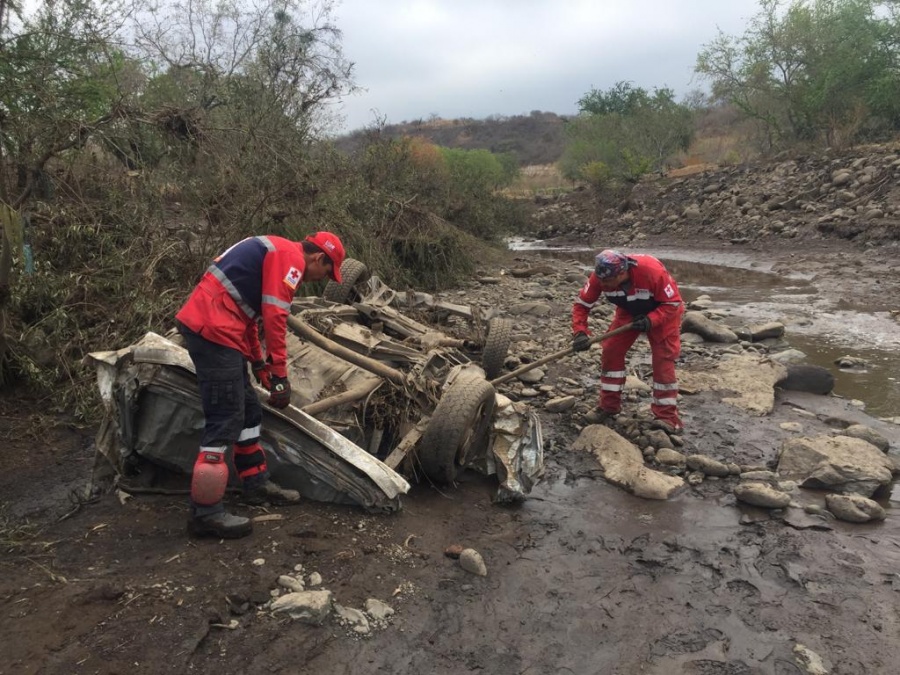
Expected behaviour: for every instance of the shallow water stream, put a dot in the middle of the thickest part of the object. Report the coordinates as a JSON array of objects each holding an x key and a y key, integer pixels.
[{"x": 825, "y": 328}]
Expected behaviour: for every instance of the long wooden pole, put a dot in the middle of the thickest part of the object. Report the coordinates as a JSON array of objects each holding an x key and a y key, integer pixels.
[{"x": 557, "y": 355}]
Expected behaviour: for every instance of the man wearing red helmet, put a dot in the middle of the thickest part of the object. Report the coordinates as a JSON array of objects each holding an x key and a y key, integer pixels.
[
  {"x": 645, "y": 295},
  {"x": 253, "y": 281}
]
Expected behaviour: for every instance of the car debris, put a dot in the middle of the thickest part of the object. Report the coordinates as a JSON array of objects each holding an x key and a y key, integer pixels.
[{"x": 379, "y": 399}]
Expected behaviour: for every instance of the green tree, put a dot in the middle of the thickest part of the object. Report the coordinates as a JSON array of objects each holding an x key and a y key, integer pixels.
[
  {"x": 809, "y": 70},
  {"x": 628, "y": 130},
  {"x": 60, "y": 83},
  {"x": 623, "y": 98},
  {"x": 475, "y": 176}
]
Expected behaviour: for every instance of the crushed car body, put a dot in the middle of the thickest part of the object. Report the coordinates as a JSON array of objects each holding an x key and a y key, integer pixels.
[{"x": 379, "y": 399}]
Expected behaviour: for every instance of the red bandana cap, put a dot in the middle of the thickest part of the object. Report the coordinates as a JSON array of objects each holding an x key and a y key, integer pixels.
[{"x": 611, "y": 263}]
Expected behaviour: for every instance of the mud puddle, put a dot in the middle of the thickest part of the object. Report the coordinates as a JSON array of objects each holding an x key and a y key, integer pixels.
[{"x": 824, "y": 327}]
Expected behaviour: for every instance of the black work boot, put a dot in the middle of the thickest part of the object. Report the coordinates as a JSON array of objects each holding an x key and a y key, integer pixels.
[
  {"x": 667, "y": 426},
  {"x": 267, "y": 492},
  {"x": 222, "y": 524},
  {"x": 599, "y": 416}
]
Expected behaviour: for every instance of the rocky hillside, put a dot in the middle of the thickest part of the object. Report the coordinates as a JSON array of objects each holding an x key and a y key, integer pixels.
[
  {"x": 534, "y": 139},
  {"x": 854, "y": 195}
]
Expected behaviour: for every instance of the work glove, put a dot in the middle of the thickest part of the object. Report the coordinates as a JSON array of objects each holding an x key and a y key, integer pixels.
[
  {"x": 261, "y": 373},
  {"x": 279, "y": 392},
  {"x": 581, "y": 341},
  {"x": 641, "y": 323}
]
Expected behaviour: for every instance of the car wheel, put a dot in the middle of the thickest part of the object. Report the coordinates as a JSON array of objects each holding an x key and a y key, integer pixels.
[
  {"x": 496, "y": 346},
  {"x": 353, "y": 272},
  {"x": 459, "y": 429}
]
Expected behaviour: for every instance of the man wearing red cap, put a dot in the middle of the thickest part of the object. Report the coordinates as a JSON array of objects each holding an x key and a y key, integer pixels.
[
  {"x": 254, "y": 280},
  {"x": 646, "y": 296}
]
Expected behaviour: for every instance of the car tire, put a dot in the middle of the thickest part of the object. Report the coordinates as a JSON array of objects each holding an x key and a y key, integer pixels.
[
  {"x": 353, "y": 272},
  {"x": 460, "y": 428},
  {"x": 496, "y": 347}
]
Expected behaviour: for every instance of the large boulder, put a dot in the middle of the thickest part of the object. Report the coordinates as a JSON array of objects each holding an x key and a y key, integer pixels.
[
  {"x": 623, "y": 464},
  {"x": 839, "y": 464},
  {"x": 752, "y": 378},
  {"x": 807, "y": 378},
  {"x": 711, "y": 331}
]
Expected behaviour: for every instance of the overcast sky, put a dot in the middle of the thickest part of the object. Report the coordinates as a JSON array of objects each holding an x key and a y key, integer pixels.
[{"x": 475, "y": 58}]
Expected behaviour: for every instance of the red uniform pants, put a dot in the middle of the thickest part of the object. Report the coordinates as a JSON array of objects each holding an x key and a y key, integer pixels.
[{"x": 665, "y": 346}]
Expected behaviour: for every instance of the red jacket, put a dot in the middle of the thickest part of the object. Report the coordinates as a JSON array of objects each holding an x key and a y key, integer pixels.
[
  {"x": 650, "y": 290},
  {"x": 254, "y": 279}
]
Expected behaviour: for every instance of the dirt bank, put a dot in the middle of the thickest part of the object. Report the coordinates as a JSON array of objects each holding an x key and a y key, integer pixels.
[{"x": 582, "y": 577}]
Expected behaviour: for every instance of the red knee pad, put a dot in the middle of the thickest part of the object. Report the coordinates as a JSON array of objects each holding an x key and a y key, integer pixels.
[{"x": 210, "y": 478}]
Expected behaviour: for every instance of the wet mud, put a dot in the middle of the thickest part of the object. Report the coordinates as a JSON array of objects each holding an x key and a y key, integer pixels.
[{"x": 582, "y": 577}]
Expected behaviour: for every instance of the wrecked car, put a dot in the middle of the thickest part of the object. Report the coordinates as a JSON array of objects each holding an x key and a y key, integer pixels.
[{"x": 379, "y": 399}]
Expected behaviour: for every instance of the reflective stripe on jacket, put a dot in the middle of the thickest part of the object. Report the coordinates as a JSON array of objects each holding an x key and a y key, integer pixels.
[{"x": 254, "y": 280}]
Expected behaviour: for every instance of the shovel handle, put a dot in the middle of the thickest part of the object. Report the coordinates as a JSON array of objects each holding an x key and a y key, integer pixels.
[{"x": 558, "y": 355}]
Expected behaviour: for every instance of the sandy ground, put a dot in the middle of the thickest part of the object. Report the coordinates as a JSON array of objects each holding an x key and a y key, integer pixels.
[{"x": 582, "y": 577}]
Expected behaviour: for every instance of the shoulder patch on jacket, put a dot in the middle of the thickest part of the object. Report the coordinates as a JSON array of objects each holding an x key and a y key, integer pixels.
[{"x": 292, "y": 278}]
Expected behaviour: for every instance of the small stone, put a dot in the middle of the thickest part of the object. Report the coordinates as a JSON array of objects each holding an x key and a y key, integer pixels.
[
  {"x": 670, "y": 457},
  {"x": 532, "y": 376},
  {"x": 315, "y": 579},
  {"x": 309, "y": 606},
  {"x": 560, "y": 404},
  {"x": 378, "y": 610},
  {"x": 290, "y": 583},
  {"x": 634, "y": 384},
  {"x": 352, "y": 617},
  {"x": 259, "y": 562},
  {"x": 761, "y": 494},
  {"x": 794, "y": 427},
  {"x": 471, "y": 561},
  {"x": 707, "y": 465},
  {"x": 453, "y": 551}
]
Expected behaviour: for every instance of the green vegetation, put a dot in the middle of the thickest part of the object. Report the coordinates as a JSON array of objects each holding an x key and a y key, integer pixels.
[
  {"x": 820, "y": 71},
  {"x": 624, "y": 133},
  {"x": 136, "y": 146}
]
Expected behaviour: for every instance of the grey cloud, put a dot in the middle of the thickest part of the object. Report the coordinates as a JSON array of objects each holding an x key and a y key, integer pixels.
[{"x": 474, "y": 58}]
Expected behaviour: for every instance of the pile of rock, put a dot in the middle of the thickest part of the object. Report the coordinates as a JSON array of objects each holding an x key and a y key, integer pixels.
[{"x": 853, "y": 195}]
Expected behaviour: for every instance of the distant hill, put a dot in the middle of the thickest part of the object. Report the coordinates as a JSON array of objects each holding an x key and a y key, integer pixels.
[{"x": 536, "y": 138}]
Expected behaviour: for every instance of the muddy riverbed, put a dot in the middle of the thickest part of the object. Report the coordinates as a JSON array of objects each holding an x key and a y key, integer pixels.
[{"x": 582, "y": 577}]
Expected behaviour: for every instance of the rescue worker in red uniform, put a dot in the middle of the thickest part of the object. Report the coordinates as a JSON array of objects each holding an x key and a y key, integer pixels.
[
  {"x": 645, "y": 295},
  {"x": 253, "y": 281}
]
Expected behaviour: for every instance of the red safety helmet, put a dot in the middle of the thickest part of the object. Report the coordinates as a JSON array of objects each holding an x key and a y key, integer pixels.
[{"x": 332, "y": 247}]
